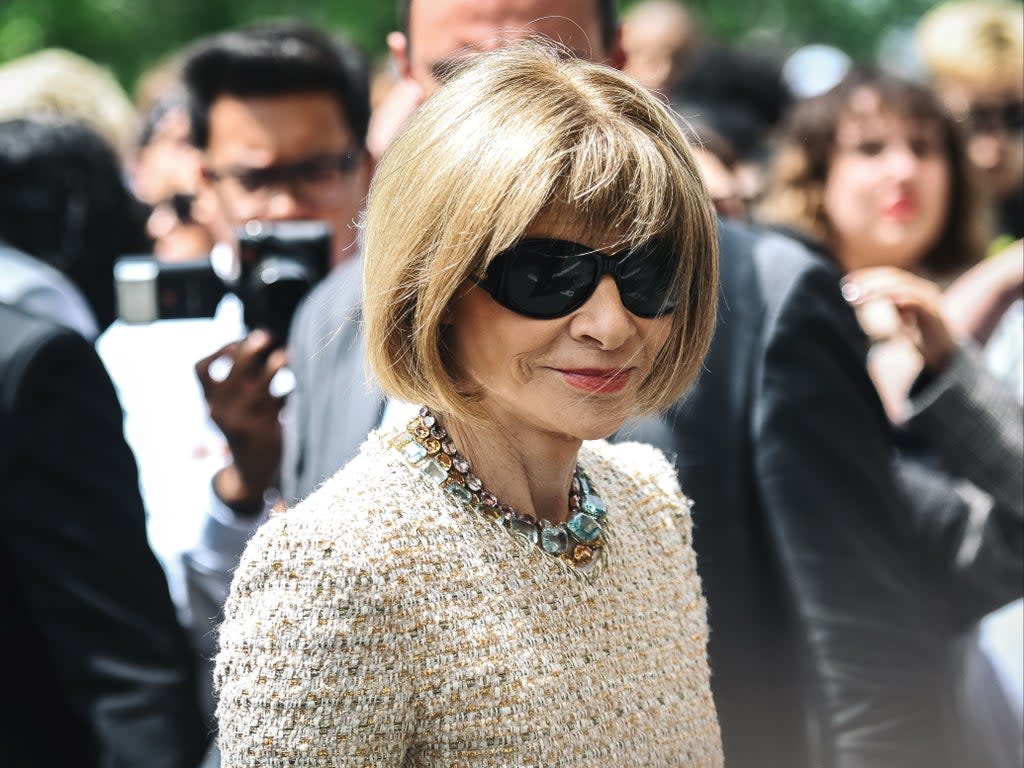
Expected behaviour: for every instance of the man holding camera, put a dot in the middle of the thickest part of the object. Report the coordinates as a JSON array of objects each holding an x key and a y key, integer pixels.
[
  {"x": 280, "y": 121},
  {"x": 279, "y": 113}
]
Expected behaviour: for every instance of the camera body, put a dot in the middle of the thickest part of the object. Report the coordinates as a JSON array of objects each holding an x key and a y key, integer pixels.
[{"x": 278, "y": 263}]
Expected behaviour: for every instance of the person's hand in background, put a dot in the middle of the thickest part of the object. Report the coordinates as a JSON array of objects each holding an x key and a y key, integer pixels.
[
  {"x": 236, "y": 382},
  {"x": 902, "y": 315}
]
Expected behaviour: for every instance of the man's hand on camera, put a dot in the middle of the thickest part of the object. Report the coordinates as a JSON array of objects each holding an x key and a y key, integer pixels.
[{"x": 236, "y": 383}]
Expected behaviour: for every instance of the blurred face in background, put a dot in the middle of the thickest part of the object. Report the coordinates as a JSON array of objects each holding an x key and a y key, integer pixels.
[
  {"x": 280, "y": 158},
  {"x": 443, "y": 31},
  {"x": 992, "y": 114},
  {"x": 721, "y": 183},
  {"x": 165, "y": 176},
  {"x": 658, "y": 38},
  {"x": 887, "y": 191}
]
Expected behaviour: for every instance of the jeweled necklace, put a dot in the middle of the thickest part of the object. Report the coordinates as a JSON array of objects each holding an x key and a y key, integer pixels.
[{"x": 426, "y": 445}]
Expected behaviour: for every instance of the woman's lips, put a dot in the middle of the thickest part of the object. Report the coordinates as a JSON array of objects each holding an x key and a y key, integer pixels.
[
  {"x": 597, "y": 379},
  {"x": 901, "y": 209}
]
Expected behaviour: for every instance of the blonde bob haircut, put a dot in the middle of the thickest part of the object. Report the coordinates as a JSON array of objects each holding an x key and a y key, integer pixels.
[{"x": 515, "y": 133}]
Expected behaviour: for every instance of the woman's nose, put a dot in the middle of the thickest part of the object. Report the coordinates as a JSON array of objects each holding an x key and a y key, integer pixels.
[
  {"x": 284, "y": 203},
  {"x": 603, "y": 318},
  {"x": 901, "y": 161}
]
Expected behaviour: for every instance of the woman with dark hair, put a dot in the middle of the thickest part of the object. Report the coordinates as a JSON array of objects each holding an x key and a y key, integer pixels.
[{"x": 874, "y": 174}]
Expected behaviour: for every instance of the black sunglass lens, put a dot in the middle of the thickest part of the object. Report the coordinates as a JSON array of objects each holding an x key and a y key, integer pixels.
[
  {"x": 645, "y": 278},
  {"x": 546, "y": 278},
  {"x": 1014, "y": 117},
  {"x": 989, "y": 119}
]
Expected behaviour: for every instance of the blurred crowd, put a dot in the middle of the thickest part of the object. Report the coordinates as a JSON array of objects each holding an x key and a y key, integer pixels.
[{"x": 180, "y": 358}]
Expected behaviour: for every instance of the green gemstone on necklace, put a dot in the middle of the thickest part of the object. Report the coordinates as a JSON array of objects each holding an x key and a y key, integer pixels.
[
  {"x": 460, "y": 493},
  {"x": 584, "y": 527},
  {"x": 414, "y": 452},
  {"x": 527, "y": 530},
  {"x": 576, "y": 542},
  {"x": 554, "y": 539},
  {"x": 593, "y": 505},
  {"x": 434, "y": 472}
]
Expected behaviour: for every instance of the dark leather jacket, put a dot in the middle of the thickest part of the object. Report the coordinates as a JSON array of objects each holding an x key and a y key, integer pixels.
[{"x": 830, "y": 630}]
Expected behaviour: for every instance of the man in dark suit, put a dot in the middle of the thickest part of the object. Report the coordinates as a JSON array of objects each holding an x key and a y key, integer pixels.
[{"x": 98, "y": 669}]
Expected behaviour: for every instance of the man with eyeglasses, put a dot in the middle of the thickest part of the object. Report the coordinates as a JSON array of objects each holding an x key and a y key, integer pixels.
[{"x": 280, "y": 124}]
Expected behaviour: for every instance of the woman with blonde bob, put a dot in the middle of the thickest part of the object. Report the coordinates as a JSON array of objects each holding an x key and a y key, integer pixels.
[{"x": 492, "y": 583}]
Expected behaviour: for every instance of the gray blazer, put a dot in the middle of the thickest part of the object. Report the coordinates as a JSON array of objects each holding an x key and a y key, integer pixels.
[{"x": 335, "y": 403}]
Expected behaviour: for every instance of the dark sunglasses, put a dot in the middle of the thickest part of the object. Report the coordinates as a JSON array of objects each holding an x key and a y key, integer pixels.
[
  {"x": 312, "y": 170},
  {"x": 546, "y": 278},
  {"x": 989, "y": 118}
]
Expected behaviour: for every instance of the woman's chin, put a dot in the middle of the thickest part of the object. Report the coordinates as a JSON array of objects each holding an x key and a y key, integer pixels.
[{"x": 598, "y": 429}]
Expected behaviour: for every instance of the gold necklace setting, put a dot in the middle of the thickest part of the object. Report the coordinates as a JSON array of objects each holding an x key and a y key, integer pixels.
[{"x": 425, "y": 445}]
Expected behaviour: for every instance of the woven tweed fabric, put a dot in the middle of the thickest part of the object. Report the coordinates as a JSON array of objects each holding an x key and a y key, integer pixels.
[{"x": 380, "y": 623}]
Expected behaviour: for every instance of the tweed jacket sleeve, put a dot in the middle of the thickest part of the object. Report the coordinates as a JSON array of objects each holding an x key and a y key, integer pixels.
[{"x": 302, "y": 628}]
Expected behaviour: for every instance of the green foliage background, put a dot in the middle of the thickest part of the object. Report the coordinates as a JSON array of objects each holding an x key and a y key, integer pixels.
[{"x": 130, "y": 35}]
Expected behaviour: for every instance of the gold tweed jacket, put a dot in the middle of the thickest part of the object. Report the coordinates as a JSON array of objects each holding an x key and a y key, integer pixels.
[{"x": 380, "y": 623}]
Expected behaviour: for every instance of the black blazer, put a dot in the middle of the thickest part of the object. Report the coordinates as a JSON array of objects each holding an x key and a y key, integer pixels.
[
  {"x": 97, "y": 669},
  {"x": 829, "y": 638}
]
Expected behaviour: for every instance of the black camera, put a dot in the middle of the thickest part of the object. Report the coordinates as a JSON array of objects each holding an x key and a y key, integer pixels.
[{"x": 278, "y": 263}]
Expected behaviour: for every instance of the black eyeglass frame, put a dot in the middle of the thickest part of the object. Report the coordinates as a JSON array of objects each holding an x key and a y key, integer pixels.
[
  {"x": 180, "y": 204},
  {"x": 497, "y": 281},
  {"x": 254, "y": 179}
]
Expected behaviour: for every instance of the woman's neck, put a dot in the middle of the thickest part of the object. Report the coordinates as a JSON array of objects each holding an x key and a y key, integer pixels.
[{"x": 526, "y": 468}]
